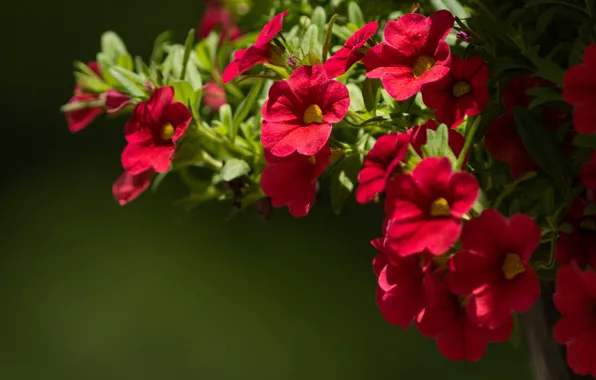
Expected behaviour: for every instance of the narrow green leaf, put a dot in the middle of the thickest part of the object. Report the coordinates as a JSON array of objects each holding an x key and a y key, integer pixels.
[
  {"x": 437, "y": 144},
  {"x": 543, "y": 95},
  {"x": 183, "y": 91},
  {"x": 310, "y": 40},
  {"x": 227, "y": 121},
  {"x": 548, "y": 69},
  {"x": 188, "y": 45},
  {"x": 126, "y": 83},
  {"x": 585, "y": 141},
  {"x": 139, "y": 79},
  {"x": 319, "y": 18},
  {"x": 234, "y": 168},
  {"x": 246, "y": 105},
  {"x": 328, "y": 34},
  {"x": 112, "y": 46},
  {"x": 355, "y": 15},
  {"x": 356, "y": 99},
  {"x": 158, "y": 46},
  {"x": 343, "y": 180}
]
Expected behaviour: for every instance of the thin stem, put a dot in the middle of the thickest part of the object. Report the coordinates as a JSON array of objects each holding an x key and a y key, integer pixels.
[{"x": 469, "y": 138}]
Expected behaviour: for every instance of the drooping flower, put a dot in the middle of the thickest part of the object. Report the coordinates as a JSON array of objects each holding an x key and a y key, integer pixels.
[
  {"x": 81, "y": 118},
  {"x": 444, "y": 318},
  {"x": 460, "y": 93},
  {"x": 152, "y": 132},
  {"x": 299, "y": 113},
  {"x": 588, "y": 173},
  {"x": 129, "y": 186},
  {"x": 352, "y": 51},
  {"x": 214, "y": 96},
  {"x": 261, "y": 51},
  {"x": 400, "y": 294},
  {"x": 292, "y": 180},
  {"x": 575, "y": 297},
  {"x": 425, "y": 207},
  {"x": 380, "y": 163},
  {"x": 493, "y": 267},
  {"x": 217, "y": 16},
  {"x": 418, "y": 137},
  {"x": 579, "y": 246},
  {"x": 580, "y": 90},
  {"x": 414, "y": 53}
]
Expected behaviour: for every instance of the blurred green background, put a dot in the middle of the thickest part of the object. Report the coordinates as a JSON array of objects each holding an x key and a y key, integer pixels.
[{"x": 90, "y": 290}]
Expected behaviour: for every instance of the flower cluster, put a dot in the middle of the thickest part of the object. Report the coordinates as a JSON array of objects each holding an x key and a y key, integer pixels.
[{"x": 480, "y": 148}]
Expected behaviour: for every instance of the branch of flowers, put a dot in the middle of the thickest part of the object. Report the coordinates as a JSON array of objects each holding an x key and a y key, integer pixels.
[{"x": 469, "y": 139}]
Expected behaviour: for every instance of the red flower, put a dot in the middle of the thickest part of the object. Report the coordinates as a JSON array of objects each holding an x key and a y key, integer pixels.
[
  {"x": 214, "y": 96},
  {"x": 260, "y": 52},
  {"x": 299, "y": 113},
  {"x": 215, "y": 16},
  {"x": 445, "y": 318},
  {"x": 588, "y": 173},
  {"x": 515, "y": 93},
  {"x": 580, "y": 90},
  {"x": 152, "y": 132},
  {"x": 380, "y": 163},
  {"x": 129, "y": 186},
  {"x": 291, "y": 181},
  {"x": 575, "y": 297},
  {"x": 414, "y": 53},
  {"x": 425, "y": 207},
  {"x": 578, "y": 246},
  {"x": 352, "y": 51},
  {"x": 493, "y": 266},
  {"x": 460, "y": 93},
  {"x": 400, "y": 294},
  {"x": 418, "y": 136},
  {"x": 79, "y": 119}
]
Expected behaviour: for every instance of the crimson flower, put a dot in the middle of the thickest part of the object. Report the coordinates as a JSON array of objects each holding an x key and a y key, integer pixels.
[
  {"x": 580, "y": 90},
  {"x": 129, "y": 186},
  {"x": 79, "y": 119},
  {"x": 460, "y": 93},
  {"x": 414, "y": 53},
  {"x": 216, "y": 15},
  {"x": 152, "y": 132},
  {"x": 444, "y": 318},
  {"x": 493, "y": 267},
  {"x": 588, "y": 173},
  {"x": 400, "y": 294},
  {"x": 425, "y": 207},
  {"x": 214, "y": 96},
  {"x": 299, "y": 113},
  {"x": 418, "y": 136},
  {"x": 292, "y": 180},
  {"x": 352, "y": 51},
  {"x": 260, "y": 52},
  {"x": 380, "y": 163},
  {"x": 579, "y": 246},
  {"x": 575, "y": 297}
]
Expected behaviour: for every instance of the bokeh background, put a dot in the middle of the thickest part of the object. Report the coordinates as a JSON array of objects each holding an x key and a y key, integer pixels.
[{"x": 90, "y": 290}]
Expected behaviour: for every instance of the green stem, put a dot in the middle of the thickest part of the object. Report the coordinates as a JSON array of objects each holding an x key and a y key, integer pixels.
[
  {"x": 509, "y": 189},
  {"x": 469, "y": 138}
]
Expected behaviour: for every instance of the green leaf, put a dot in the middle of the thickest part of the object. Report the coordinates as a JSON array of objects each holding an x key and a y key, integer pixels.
[
  {"x": 355, "y": 15},
  {"x": 585, "y": 141},
  {"x": 503, "y": 64},
  {"x": 543, "y": 95},
  {"x": 247, "y": 104},
  {"x": 343, "y": 180},
  {"x": 124, "y": 81},
  {"x": 183, "y": 91},
  {"x": 548, "y": 69},
  {"x": 91, "y": 83},
  {"x": 125, "y": 61},
  {"x": 234, "y": 168},
  {"x": 548, "y": 201},
  {"x": 188, "y": 44},
  {"x": 158, "y": 46},
  {"x": 542, "y": 145},
  {"x": 112, "y": 46},
  {"x": 371, "y": 95},
  {"x": 356, "y": 99},
  {"x": 319, "y": 18},
  {"x": 543, "y": 22},
  {"x": 481, "y": 203},
  {"x": 226, "y": 118},
  {"x": 437, "y": 144},
  {"x": 341, "y": 31},
  {"x": 310, "y": 40},
  {"x": 328, "y": 34}
]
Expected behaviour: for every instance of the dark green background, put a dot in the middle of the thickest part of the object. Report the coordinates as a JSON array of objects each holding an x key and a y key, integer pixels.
[{"x": 90, "y": 290}]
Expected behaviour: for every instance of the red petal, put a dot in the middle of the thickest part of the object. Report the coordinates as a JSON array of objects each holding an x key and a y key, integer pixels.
[
  {"x": 581, "y": 353},
  {"x": 464, "y": 192},
  {"x": 334, "y": 100},
  {"x": 282, "y": 105},
  {"x": 128, "y": 186},
  {"x": 271, "y": 29},
  {"x": 283, "y": 139}
]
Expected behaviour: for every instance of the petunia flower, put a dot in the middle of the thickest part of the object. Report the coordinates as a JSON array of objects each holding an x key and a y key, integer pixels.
[
  {"x": 493, "y": 266},
  {"x": 579, "y": 246},
  {"x": 214, "y": 96},
  {"x": 152, "y": 132},
  {"x": 414, "y": 53},
  {"x": 300, "y": 112},
  {"x": 352, "y": 51},
  {"x": 292, "y": 180},
  {"x": 425, "y": 208},
  {"x": 445, "y": 319},
  {"x": 400, "y": 292},
  {"x": 217, "y": 16},
  {"x": 380, "y": 163},
  {"x": 575, "y": 297},
  {"x": 418, "y": 137},
  {"x": 580, "y": 90},
  {"x": 129, "y": 186},
  {"x": 460, "y": 93},
  {"x": 79, "y": 119},
  {"x": 260, "y": 52}
]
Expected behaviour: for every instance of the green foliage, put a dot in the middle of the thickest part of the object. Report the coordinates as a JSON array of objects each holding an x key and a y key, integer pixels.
[
  {"x": 234, "y": 168},
  {"x": 343, "y": 179}
]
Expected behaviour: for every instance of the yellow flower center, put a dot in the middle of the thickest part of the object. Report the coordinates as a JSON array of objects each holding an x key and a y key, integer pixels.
[
  {"x": 313, "y": 114},
  {"x": 440, "y": 207},
  {"x": 460, "y": 89},
  {"x": 167, "y": 132},
  {"x": 512, "y": 266},
  {"x": 422, "y": 64}
]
